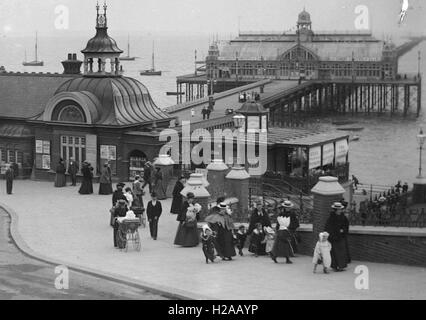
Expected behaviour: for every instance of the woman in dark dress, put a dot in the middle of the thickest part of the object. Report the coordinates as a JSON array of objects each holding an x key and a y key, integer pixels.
[
  {"x": 60, "y": 180},
  {"x": 105, "y": 184},
  {"x": 158, "y": 184},
  {"x": 286, "y": 210},
  {"x": 282, "y": 245},
  {"x": 177, "y": 197},
  {"x": 220, "y": 221},
  {"x": 337, "y": 226},
  {"x": 86, "y": 186},
  {"x": 187, "y": 232}
]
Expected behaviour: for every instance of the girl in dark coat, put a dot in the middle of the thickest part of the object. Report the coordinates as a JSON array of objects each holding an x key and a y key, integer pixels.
[
  {"x": 337, "y": 226},
  {"x": 177, "y": 197},
  {"x": 105, "y": 184},
  {"x": 207, "y": 239},
  {"x": 86, "y": 186},
  {"x": 187, "y": 232},
  {"x": 158, "y": 184},
  {"x": 257, "y": 245},
  {"x": 60, "y": 180},
  {"x": 282, "y": 245}
]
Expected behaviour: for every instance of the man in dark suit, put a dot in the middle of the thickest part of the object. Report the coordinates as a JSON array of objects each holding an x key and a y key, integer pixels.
[
  {"x": 72, "y": 171},
  {"x": 9, "y": 176},
  {"x": 259, "y": 215},
  {"x": 153, "y": 211},
  {"x": 147, "y": 173}
]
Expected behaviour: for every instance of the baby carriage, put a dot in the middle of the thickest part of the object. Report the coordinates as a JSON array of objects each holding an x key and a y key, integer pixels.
[
  {"x": 139, "y": 212},
  {"x": 128, "y": 233}
]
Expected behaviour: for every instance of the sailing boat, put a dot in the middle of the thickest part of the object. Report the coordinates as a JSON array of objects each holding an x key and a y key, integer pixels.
[
  {"x": 34, "y": 63},
  {"x": 128, "y": 57},
  {"x": 151, "y": 72}
]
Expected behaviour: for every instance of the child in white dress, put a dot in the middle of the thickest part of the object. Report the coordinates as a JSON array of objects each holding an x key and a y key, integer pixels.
[{"x": 322, "y": 252}]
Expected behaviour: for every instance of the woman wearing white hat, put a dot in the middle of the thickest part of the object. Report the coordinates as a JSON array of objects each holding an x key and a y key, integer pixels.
[
  {"x": 286, "y": 210},
  {"x": 282, "y": 245},
  {"x": 337, "y": 227}
]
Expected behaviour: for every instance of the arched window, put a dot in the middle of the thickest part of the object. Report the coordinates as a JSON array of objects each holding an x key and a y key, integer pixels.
[{"x": 71, "y": 114}]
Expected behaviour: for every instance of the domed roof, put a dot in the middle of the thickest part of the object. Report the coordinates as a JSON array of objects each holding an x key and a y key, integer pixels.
[
  {"x": 252, "y": 107},
  {"x": 123, "y": 100},
  {"x": 304, "y": 17},
  {"x": 102, "y": 43}
]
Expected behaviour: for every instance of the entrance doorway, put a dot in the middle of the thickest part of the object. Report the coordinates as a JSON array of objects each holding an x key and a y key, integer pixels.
[{"x": 137, "y": 160}]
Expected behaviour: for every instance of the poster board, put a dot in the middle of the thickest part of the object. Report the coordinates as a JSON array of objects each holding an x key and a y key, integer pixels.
[
  {"x": 342, "y": 149},
  {"x": 314, "y": 157},
  {"x": 327, "y": 154}
]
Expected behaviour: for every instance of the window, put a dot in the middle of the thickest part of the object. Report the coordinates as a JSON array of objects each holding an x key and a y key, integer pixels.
[
  {"x": 71, "y": 114},
  {"x": 73, "y": 147}
]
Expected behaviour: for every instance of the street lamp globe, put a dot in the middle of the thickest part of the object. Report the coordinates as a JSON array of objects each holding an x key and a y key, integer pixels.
[
  {"x": 239, "y": 121},
  {"x": 421, "y": 137}
]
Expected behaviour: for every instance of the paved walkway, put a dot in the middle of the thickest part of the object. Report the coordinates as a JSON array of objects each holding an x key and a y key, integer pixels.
[
  {"x": 61, "y": 224},
  {"x": 22, "y": 277}
]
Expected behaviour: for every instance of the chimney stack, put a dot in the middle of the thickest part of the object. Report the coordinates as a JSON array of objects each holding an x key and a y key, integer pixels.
[{"x": 72, "y": 65}]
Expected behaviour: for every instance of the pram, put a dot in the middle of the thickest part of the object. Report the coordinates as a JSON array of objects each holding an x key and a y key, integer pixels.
[{"x": 128, "y": 233}]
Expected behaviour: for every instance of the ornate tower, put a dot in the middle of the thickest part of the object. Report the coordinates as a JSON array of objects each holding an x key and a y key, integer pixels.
[
  {"x": 304, "y": 27},
  {"x": 101, "y": 55}
]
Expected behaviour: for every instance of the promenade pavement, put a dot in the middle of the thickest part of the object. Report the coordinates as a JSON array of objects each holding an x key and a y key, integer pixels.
[{"x": 61, "y": 224}]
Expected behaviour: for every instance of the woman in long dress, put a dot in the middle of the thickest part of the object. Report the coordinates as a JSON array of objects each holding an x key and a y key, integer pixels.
[
  {"x": 187, "y": 232},
  {"x": 158, "y": 184},
  {"x": 105, "y": 184},
  {"x": 337, "y": 226},
  {"x": 60, "y": 180},
  {"x": 282, "y": 245},
  {"x": 87, "y": 185},
  {"x": 220, "y": 221},
  {"x": 177, "y": 197}
]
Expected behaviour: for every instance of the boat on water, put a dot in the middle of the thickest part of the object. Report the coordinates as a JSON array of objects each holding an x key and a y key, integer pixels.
[
  {"x": 354, "y": 138},
  {"x": 152, "y": 71},
  {"x": 342, "y": 122},
  {"x": 128, "y": 57},
  {"x": 351, "y": 129},
  {"x": 36, "y": 62}
]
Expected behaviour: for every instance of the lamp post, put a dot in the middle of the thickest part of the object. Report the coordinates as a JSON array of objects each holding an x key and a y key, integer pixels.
[
  {"x": 419, "y": 187},
  {"x": 421, "y": 137},
  {"x": 239, "y": 122}
]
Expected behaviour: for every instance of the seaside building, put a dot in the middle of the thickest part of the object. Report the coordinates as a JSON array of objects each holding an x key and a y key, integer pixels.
[
  {"x": 303, "y": 54},
  {"x": 98, "y": 116}
]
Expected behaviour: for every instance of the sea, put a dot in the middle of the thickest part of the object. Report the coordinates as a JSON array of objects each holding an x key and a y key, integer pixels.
[{"x": 387, "y": 149}]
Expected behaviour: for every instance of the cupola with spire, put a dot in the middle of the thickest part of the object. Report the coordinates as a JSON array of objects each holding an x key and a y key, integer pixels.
[
  {"x": 304, "y": 26},
  {"x": 101, "y": 55}
]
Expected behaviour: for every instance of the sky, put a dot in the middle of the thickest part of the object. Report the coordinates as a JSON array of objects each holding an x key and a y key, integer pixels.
[{"x": 222, "y": 17}]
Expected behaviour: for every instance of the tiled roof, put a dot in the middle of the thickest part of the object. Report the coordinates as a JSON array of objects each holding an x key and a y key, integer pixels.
[
  {"x": 24, "y": 95},
  {"x": 302, "y": 137}
]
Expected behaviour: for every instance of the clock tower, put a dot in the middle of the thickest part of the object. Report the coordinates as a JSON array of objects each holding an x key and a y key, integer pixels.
[{"x": 101, "y": 55}]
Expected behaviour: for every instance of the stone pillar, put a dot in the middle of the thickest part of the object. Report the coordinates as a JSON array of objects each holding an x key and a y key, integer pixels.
[
  {"x": 202, "y": 196},
  {"x": 217, "y": 171},
  {"x": 237, "y": 185},
  {"x": 165, "y": 162},
  {"x": 326, "y": 192},
  {"x": 419, "y": 190}
]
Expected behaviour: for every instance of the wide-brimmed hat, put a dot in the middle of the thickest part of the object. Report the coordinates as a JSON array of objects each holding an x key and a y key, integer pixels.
[
  {"x": 121, "y": 184},
  {"x": 338, "y": 205},
  {"x": 222, "y": 205},
  {"x": 121, "y": 201},
  {"x": 287, "y": 204},
  {"x": 382, "y": 199}
]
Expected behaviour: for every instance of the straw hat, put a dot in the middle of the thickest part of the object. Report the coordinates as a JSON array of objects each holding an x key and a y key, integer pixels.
[
  {"x": 338, "y": 205},
  {"x": 287, "y": 204}
]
